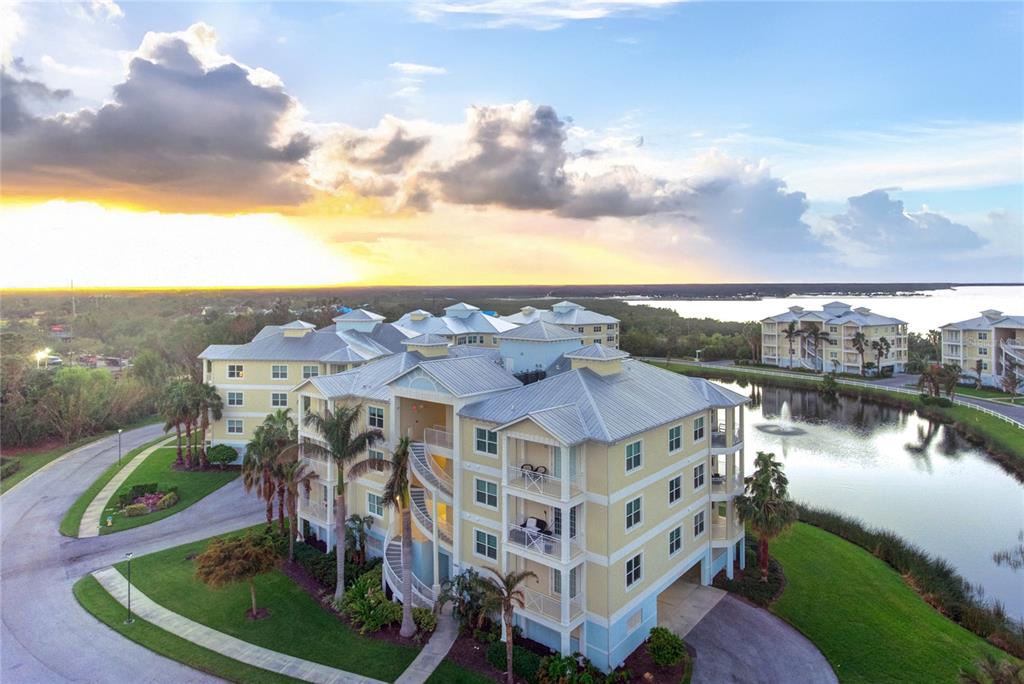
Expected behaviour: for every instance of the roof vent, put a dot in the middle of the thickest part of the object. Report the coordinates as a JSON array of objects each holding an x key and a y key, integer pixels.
[
  {"x": 992, "y": 314},
  {"x": 863, "y": 310},
  {"x": 796, "y": 309}
]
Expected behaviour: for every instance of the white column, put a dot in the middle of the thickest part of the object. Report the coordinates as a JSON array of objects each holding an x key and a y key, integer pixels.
[
  {"x": 456, "y": 511},
  {"x": 437, "y": 548},
  {"x": 729, "y": 560},
  {"x": 564, "y": 512},
  {"x": 563, "y": 456}
]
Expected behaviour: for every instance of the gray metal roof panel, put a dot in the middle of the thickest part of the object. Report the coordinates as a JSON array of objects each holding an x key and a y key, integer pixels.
[
  {"x": 540, "y": 331},
  {"x": 596, "y": 352}
]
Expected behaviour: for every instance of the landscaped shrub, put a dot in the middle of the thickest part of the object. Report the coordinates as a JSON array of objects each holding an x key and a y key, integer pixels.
[
  {"x": 135, "y": 510},
  {"x": 426, "y": 621},
  {"x": 367, "y": 606},
  {"x": 221, "y": 454},
  {"x": 571, "y": 669},
  {"x": 942, "y": 402},
  {"x": 166, "y": 501},
  {"x": 525, "y": 663},
  {"x": 665, "y": 648},
  {"x": 747, "y": 582},
  {"x": 9, "y": 466},
  {"x": 126, "y": 498}
]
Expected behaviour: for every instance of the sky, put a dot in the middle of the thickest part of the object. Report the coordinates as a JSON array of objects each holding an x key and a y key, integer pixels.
[{"x": 509, "y": 142}]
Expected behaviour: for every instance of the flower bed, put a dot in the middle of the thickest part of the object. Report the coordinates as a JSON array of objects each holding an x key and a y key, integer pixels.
[{"x": 144, "y": 499}]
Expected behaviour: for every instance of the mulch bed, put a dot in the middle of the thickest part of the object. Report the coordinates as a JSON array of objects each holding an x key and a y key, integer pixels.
[
  {"x": 747, "y": 584},
  {"x": 640, "y": 665},
  {"x": 210, "y": 468},
  {"x": 472, "y": 655},
  {"x": 45, "y": 445}
]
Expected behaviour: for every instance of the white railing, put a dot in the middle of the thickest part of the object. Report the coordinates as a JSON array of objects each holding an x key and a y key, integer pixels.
[
  {"x": 551, "y": 606},
  {"x": 542, "y": 483},
  {"x": 539, "y": 542},
  {"x": 429, "y": 472},
  {"x": 422, "y": 595},
  {"x": 724, "y": 485},
  {"x": 323, "y": 468},
  {"x": 315, "y": 510},
  {"x": 1013, "y": 348},
  {"x": 438, "y": 437}
]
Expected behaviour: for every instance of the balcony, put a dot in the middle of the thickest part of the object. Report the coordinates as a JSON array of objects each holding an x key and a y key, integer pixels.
[
  {"x": 720, "y": 439},
  {"x": 321, "y": 465},
  {"x": 541, "y": 543},
  {"x": 536, "y": 480},
  {"x": 438, "y": 438},
  {"x": 722, "y": 533},
  {"x": 316, "y": 511},
  {"x": 550, "y": 607},
  {"x": 721, "y": 485}
]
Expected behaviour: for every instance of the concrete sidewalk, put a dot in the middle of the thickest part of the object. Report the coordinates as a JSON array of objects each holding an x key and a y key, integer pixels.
[
  {"x": 434, "y": 652},
  {"x": 145, "y": 608},
  {"x": 90, "y": 524}
]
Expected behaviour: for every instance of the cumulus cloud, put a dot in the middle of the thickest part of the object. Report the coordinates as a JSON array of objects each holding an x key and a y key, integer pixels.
[{"x": 188, "y": 127}]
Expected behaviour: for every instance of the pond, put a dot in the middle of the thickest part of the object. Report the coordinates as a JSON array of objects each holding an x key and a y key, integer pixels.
[{"x": 895, "y": 470}]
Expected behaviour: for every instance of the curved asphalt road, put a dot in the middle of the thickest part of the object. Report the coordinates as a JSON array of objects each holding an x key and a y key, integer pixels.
[{"x": 46, "y": 636}]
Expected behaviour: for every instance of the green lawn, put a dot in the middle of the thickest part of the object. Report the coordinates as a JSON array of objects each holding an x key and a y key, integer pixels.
[
  {"x": 297, "y": 625},
  {"x": 33, "y": 461},
  {"x": 859, "y": 612},
  {"x": 73, "y": 518},
  {"x": 450, "y": 673},
  {"x": 192, "y": 486},
  {"x": 95, "y": 599}
]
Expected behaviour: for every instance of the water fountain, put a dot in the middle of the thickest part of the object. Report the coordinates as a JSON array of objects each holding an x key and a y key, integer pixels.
[{"x": 784, "y": 426}]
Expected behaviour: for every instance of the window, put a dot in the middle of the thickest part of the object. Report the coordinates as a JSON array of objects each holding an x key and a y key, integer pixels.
[
  {"x": 634, "y": 512},
  {"x": 310, "y": 371},
  {"x": 833, "y": 329},
  {"x": 375, "y": 505},
  {"x": 279, "y": 372},
  {"x": 487, "y": 493},
  {"x": 698, "y": 476},
  {"x": 698, "y": 429},
  {"x": 675, "y": 438},
  {"x": 634, "y": 569},
  {"x": 833, "y": 355},
  {"x": 982, "y": 336},
  {"x": 375, "y": 417},
  {"x": 675, "y": 540},
  {"x": 278, "y": 399},
  {"x": 634, "y": 456},
  {"x": 486, "y": 441},
  {"x": 234, "y": 426},
  {"x": 984, "y": 365},
  {"x": 235, "y": 371},
  {"x": 982, "y": 351},
  {"x": 234, "y": 398},
  {"x": 556, "y": 582},
  {"x": 675, "y": 489},
  {"x": 486, "y": 545},
  {"x": 375, "y": 455},
  {"x": 597, "y": 328},
  {"x": 698, "y": 524}
]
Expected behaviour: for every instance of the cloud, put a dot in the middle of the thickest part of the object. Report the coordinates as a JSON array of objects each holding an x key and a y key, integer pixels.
[
  {"x": 17, "y": 97},
  {"x": 412, "y": 69},
  {"x": 11, "y": 28},
  {"x": 188, "y": 127},
  {"x": 106, "y": 8},
  {"x": 542, "y": 15}
]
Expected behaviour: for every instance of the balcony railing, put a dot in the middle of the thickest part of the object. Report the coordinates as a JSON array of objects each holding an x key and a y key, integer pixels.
[
  {"x": 315, "y": 510},
  {"x": 722, "y": 485},
  {"x": 437, "y": 437},
  {"x": 543, "y": 543},
  {"x": 723, "y": 531},
  {"x": 323, "y": 468},
  {"x": 718, "y": 437},
  {"x": 551, "y": 606},
  {"x": 524, "y": 478}
]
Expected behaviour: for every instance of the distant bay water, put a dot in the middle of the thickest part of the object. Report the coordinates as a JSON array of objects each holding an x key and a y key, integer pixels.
[{"x": 923, "y": 311}]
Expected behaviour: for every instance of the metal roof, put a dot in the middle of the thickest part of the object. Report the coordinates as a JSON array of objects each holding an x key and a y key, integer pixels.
[
  {"x": 578, "y": 315},
  {"x": 368, "y": 381},
  {"x": 327, "y": 345},
  {"x": 596, "y": 352},
  {"x": 359, "y": 315},
  {"x": 297, "y": 325},
  {"x": 832, "y": 315},
  {"x": 540, "y": 331},
  {"x": 998, "y": 319},
  {"x": 465, "y": 376},
  {"x": 426, "y": 340},
  {"x": 473, "y": 322}
]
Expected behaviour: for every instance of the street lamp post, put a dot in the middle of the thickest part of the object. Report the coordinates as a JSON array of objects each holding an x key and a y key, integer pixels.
[
  {"x": 119, "y": 431},
  {"x": 130, "y": 619}
]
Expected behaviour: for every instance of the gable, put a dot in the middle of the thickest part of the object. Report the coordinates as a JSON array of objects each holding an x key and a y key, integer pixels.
[{"x": 417, "y": 379}]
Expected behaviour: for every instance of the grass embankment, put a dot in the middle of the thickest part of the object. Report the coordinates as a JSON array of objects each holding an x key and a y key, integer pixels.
[
  {"x": 1003, "y": 440},
  {"x": 73, "y": 518},
  {"x": 863, "y": 617},
  {"x": 31, "y": 461},
  {"x": 95, "y": 599},
  {"x": 297, "y": 624},
  {"x": 450, "y": 673},
  {"x": 192, "y": 486}
]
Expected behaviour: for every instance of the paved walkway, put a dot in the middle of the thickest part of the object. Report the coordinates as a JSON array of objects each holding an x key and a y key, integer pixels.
[
  {"x": 91, "y": 519},
  {"x": 434, "y": 652},
  {"x": 145, "y": 608},
  {"x": 684, "y": 604}
]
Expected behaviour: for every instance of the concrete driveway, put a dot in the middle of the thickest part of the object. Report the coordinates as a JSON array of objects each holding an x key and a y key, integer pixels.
[
  {"x": 46, "y": 636},
  {"x": 684, "y": 604}
]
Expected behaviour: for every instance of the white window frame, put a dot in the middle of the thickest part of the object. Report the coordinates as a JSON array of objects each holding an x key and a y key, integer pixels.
[
  {"x": 235, "y": 395},
  {"x": 640, "y": 511},
  {"x": 556, "y": 582},
  {"x": 236, "y": 421},
  {"x": 371, "y": 416},
  {"x": 677, "y": 490},
  {"x": 699, "y": 519},
  {"x": 639, "y": 558},
  {"x": 983, "y": 336},
  {"x": 310, "y": 371},
  {"x": 476, "y": 532},
  {"x": 699, "y": 426},
  {"x": 982, "y": 351},
  {"x": 376, "y": 510},
  {"x": 477, "y": 481},
  {"x": 277, "y": 374},
  {"x": 679, "y": 436},
  {"x": 699, "y": 473},
  {"x": 486, "y": 440},
  {"x": 274, "y": 397},
  {"x": 640, "y": 456},
  {"x": 675, "y": 537},
  {"x": 236, "y": 371},
  {"x": 376, "y": 454}
]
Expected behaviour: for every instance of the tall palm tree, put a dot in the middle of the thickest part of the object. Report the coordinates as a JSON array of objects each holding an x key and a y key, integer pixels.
[
  {"x": 792, "y": 334},
  {"x": 506, "y": 594},
  {"x": 930, "y": 379},
  {"x": 977, "y": 369},
  {"x": 284, "y": 434},
  {"x": 766, "y": 505},
  {"x": 396, "y": 495},
  {"x": 860, "y": 343},
  {"x": 949, "y": 378},
  {"x": 174, "y": 409},
  {"x": 258, "y": 468},
  {"x": 294, "y": 475},
  {"x": 210, "y": 404},
  {"x": 881, "y": 348},
  {"x": 356, "y": 529},
  {"x": 816, "y": 336},
  {"x": 339, "y": 429}
]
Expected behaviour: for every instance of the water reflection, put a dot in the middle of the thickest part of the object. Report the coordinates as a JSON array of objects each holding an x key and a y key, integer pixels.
[{"x": 893, "y": 469}]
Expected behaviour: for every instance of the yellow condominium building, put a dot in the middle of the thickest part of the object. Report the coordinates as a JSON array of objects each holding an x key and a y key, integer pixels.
[
  {"x": 594, "y": 327},
  {"x": 610, "y": 478},
  {"x": 827, "y": 339},
  {"x": 992, "y": 342}
]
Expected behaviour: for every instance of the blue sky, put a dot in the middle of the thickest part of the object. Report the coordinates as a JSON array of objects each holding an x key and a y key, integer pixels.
[{"x": 834, "y": 100}]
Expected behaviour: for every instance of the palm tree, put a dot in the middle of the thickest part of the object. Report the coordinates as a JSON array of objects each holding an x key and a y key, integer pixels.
[
  {"x": 978, "y": 367},
  {"x": 815, "y": 336},
  {"x": 338, "y": 429},
  {"x": 766, "y": 505},
  {"x": 210, "y": 404},
  {"x": 930, "y": 379},
  {"x": 791, "y": 333},
  {"x": 860, "y": 341},
  {"x": 174, "y": 409},
  {"x": 881, "y": 347},
  {"x": 285, "y": 434},
  {"x": 293, "y": 474},
  {"x": 258, "y": 468},
  {"x": 506, "y": 594},
  {"x": 949, "y": 378},
  {"x": 356, "y": 528},
  {"x": 751, "y": 332},
  {"x": 396, "y": 494}
]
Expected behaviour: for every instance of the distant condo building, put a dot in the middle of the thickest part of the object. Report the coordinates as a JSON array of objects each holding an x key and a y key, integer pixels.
[
  {"x": 594, "y": 327},
  {"x": 827, "y": 339},
  {"x": 988, "y": 343}
]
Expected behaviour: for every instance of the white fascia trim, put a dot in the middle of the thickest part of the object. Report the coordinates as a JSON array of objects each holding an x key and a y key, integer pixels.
[
  {"x": 228, "y": 413},
  {"x": 228, "y": 387},
  {"x": 493, "y": 525},
  {"x": 677, "y": 518},
  {"x": 665, "y": 472},
  {"x": 481, "y": 469}
]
